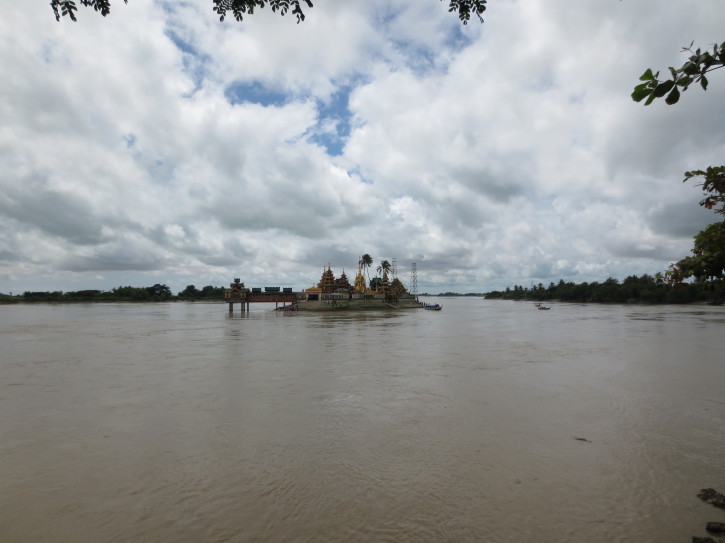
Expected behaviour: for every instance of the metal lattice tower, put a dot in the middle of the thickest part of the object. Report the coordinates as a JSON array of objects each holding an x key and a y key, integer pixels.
[
  {"x": 394, "y": 268},
  {"x": 413, "y": 280}
]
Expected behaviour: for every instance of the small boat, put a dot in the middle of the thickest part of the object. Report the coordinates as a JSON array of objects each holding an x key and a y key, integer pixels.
[
  {"x": 542, "y": 307},
  {"x": 433, "y": 307}
]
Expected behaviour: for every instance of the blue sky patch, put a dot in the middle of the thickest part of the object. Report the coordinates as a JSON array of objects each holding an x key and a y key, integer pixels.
[
  {"x": 180, "y": 43},
  {"x": 254, "y": 93},
  {"x": 457, "y": 39},
  {"x": 357, "y": 172},
  {"x": 334, "y": 122},
  {"x": 193, "y": 61}
]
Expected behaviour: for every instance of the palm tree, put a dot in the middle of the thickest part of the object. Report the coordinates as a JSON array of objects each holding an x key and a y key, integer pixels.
[
  {"x": 366, "y": 262},
  {"x": 384, "y": 268}
]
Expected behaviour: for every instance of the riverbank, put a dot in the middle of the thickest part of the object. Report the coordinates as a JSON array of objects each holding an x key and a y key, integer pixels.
[{"x": 645, "y": 289}]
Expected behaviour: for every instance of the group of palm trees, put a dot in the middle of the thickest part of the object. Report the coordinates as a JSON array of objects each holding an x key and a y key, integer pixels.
[{"x": 366, "y": 262}]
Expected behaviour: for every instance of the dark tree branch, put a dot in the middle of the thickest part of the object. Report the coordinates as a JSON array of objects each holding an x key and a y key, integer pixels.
[
  {"x": 240, "y": 8},
  {"x": 693, "y": 71}
]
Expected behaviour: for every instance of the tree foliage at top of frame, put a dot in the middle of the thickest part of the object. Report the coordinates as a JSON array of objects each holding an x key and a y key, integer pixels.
[
  {"x": 240, "y": 8},
  {"x": 466, "y": 7},
  {"x": 62, "y": 8}
]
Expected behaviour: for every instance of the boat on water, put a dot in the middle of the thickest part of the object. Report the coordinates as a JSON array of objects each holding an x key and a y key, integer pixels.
[
  {"x": 542, "y": 307},
  {"x": 433, "y": 307}
]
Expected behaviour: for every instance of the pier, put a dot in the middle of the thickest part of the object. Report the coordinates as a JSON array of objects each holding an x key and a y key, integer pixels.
[{"x": 239, "y": 294}]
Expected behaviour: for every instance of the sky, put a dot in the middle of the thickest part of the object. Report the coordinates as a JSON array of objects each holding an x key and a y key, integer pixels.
[{"x": 160, "y": 145}]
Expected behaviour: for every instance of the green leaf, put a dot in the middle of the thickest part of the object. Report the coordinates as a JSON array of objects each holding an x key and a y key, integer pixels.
[
  {"x": 68, "y": 7},
  {"x": 663, "y": 88},
  {"x": 673, "y": 97},
  {"x": 647, "y": 76},
  {"x": 703, "y": 82},
  {"x": 689, "y": 68},
  {"x": 641, "y": 92}
]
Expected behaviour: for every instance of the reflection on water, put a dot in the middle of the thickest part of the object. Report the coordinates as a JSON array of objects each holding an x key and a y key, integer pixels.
[{"x": 487, "y": 421}]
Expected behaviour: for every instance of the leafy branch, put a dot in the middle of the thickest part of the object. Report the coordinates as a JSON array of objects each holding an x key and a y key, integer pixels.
[
  {"x": 68, "y": 7},
  {"x": 239, "y": 8},
  {"x": 693, "y": 71},
  {"x": 713, "y": 186},
  {"x": 708, "y": 253},
  {"x": 465, "y": 7}
]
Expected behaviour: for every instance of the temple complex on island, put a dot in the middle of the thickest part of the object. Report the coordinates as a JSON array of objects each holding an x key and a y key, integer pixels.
[
  {"x": 330, "y": 293},
  {"x": 339, "y": 288}
]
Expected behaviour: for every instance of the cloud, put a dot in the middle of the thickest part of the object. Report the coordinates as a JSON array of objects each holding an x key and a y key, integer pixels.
[{"x": 159, "y": 145}]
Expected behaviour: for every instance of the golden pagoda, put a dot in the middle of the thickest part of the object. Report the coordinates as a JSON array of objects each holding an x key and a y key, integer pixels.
[
  {"x": 360, "y": 280},
  {"x": 384, "y": 284},
  {"x": 327, "y": 281},
  {"x": 342, "y": 282}
]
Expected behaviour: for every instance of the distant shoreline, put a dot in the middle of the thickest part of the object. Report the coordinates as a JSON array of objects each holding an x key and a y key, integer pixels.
[{"x": 345, "y": 305}]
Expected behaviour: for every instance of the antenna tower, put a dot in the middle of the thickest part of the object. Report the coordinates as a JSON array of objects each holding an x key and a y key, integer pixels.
[
  {"x": 414, "y": 280},
  {"x": 394, "y": 268}
]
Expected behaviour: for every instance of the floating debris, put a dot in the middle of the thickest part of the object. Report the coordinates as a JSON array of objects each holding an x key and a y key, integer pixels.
[{"x": 713, "y": 497}]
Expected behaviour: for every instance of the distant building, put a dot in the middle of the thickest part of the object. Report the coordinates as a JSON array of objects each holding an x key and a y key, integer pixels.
[
  {"x": 327, "y": 281},
  {"x": 330, "y": 287},
  {"x": 313, "y": 294},
  {"x": 360, "y": 281},
  {"x": 342, "y": 284}
]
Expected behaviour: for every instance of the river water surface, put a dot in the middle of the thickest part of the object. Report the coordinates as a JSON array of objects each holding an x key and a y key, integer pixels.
[{"x": 488, "y": 421}]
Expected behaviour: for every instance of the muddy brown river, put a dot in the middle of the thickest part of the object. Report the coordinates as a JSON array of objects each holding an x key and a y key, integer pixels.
[{"x": 488, "y": 421}]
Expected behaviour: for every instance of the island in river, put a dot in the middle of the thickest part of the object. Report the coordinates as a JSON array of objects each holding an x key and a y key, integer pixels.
[{"x": 331, "y": 294}]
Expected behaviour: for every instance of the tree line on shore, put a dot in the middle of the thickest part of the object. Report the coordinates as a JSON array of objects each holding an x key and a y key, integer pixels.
[
  {"x": 155, "y": 293},
  {"x": 646, "y": 289}
]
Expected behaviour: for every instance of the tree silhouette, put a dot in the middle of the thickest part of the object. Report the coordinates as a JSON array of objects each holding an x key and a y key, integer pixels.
[
  {"x": 708, "y": 260},
  {"x": 366, "y": 262},
  {"x": 240, "y": 8},
  {"x": 384, "y": 267}
]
